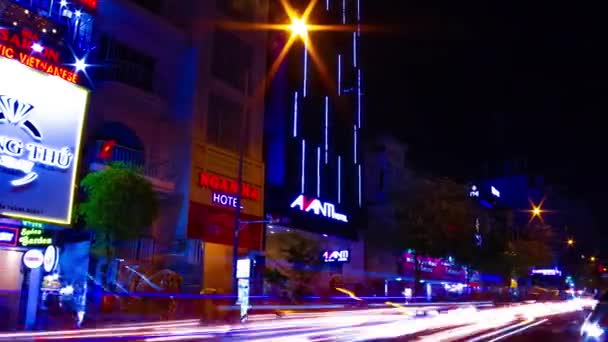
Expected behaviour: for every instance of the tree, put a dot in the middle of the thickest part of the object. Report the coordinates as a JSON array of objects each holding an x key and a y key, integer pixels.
[
  {"x": 120, "y": 203},
  {"x": 296, "y": 259},
  {"x": 435, "y": 219},
  {"x": 530, "y": 248}
]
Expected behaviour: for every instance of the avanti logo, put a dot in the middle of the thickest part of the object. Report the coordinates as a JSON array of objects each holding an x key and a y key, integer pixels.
[
  {"x": 15, "y": 154},
  {"x": 308, "y": 204}
]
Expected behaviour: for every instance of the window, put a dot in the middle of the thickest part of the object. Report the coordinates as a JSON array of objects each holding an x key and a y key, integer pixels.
[
  {"x": 225, "y": 123},
  {"x": 124, "y": 64},
  {"x": 232, "y": 59}
]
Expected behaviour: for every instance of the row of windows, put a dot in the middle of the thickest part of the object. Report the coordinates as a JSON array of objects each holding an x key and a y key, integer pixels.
[{"x": 225, "y": 118}]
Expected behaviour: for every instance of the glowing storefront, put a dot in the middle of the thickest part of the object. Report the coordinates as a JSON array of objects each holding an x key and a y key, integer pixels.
[{"x": 42, "y": 113}]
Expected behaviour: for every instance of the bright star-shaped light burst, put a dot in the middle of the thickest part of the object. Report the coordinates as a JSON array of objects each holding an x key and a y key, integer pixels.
[
  {"x": 80, "y": 65},
  {"x": 36, "y": 47},
  {"x": 300, "y": 28},
  {"x": 537, "y": 211}
]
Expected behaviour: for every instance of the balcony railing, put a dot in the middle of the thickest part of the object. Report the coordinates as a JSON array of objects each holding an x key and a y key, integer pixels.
[
  {"x": 161, "y": 173},
  {"x": 133, "y": 74}
]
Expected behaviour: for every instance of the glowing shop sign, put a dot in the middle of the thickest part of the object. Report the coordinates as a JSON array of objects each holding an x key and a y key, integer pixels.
[
  {"x": 227, "y": 186},
  {"x": 33, "y": 258},
  {"x": 34, "y": 237},
  {"x": 495, "y": 192},
  {"x": 25, "y": 47},
  {"x": 51, "y": 258},
  {"x": 336, "y": 256},
  {"x": 41, "y": 120},
  {"x": 224, "y": 200},
  {"x": 309, "y": 204},
  {"x": 474, "y": 191},
  {"x": 8, "y": 236},
  {"x": 547, "y": 272}
]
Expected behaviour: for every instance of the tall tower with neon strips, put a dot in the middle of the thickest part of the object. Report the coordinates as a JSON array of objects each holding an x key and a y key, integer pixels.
[{"x": 314, "y": 122}]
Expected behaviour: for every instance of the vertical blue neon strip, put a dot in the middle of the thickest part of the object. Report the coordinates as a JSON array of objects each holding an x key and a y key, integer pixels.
[
  {"x": 327, "y": 5},
  {"x": 303, "y": 164},
  {"x": 355, "y": 144},
  {"x": 318, "y": 171},
  {"x": 359, "y": 97},
  {"x": 355, "y": 49},
  {"x": 343, "y": 11},
  {"x": 305, "y": 79},
  {"x": 339, "y": 179},
  {"x": 360, "y": 192},
  {"x": 339, "y": 74},
  {"x": 358, "y": 10},
  {"x": 295, "y": 114},
  {"x": 326, "y": 128}
]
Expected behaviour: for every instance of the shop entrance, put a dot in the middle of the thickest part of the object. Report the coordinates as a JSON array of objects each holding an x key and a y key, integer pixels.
[{"x": 10, "y": 288}]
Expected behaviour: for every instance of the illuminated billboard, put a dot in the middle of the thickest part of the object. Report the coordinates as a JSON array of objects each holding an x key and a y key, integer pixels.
[{"x": 41, "y": 122}]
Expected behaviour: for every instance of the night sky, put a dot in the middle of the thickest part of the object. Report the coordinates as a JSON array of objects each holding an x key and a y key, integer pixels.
[{"x": 464, "y": 82}]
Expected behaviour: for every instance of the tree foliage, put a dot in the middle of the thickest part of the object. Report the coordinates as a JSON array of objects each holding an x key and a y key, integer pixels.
[
  {"x": 529, "y": 248},
  {"x": 302, "y": 256},
  {"x": 120, "y": 203}
]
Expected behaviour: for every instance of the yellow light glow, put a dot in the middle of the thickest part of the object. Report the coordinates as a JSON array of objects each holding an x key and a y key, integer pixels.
[
  {"x": 592, "y": 259},
  {"x": 570, "y": 242},
  {"x": 299, "y": 27}
]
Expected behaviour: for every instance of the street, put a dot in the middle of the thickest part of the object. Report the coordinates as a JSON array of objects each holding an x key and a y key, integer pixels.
[{"x": 556, "y": 321}]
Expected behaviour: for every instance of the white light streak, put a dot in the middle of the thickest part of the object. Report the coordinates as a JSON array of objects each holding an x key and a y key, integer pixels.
[
  {"x": 303, "y": 164},
  {"x": 326, "y": 128},
  {"x": 355, "y": 49},
  {"x": 343, "y": 11},
  {"x": 360, "y": 189},
  {"x": 318, "y": 172},
  {"x": 339, "y": 74},
  {"x": 359, "y": 97},
  {"x": 295, "y": 114},
  {"x": 305, "y": 80},
  {"x": 327, "y": 5},
  {"x": 359, "y": 10},
  {"x": 355, "y": 144},
  {"x": 339, "y": 179}
]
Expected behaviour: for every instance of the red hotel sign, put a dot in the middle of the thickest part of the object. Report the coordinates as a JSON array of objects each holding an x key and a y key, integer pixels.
[
  {"x": 24, "y": 47},
  {"x": 227, "y": 186}
]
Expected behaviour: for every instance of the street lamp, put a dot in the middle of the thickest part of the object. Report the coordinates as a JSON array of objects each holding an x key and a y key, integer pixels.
[
  {"x": 299, "y": 27},
  {"x": 570, "y": 242},
  {"x": 592, "y": 259}
]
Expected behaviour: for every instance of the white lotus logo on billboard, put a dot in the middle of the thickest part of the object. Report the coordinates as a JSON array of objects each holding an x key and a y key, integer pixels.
[{"x": 22, "y": 157}]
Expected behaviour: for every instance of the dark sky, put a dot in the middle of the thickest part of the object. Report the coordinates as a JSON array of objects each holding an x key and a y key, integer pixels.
[{"x": 463, "y": 82}]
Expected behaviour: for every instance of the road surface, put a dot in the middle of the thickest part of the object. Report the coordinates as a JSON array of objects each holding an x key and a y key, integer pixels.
[{"x": 523, "y": 321}]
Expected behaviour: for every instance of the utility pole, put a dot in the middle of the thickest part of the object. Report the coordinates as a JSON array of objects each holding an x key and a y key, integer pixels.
[{"x": 237, "y": 209}]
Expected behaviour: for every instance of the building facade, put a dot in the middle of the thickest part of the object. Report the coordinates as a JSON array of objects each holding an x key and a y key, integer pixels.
[
  {"x": 168, "y": 89},
  {"x": 43, "y": 108},
  {"x": 314, "y": 123}
]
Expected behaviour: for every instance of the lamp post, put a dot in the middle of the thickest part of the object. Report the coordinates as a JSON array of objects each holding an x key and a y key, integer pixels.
[{"x": 298, "y": 28}]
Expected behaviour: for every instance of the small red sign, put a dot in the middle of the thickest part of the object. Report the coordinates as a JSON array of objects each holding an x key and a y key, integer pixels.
[
  {"x": 216, "y": 225},
  {"x": 92, "y": 4}
]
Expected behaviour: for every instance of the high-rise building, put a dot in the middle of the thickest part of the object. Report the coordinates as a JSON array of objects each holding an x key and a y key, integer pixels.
[{"x": 314, "y": 123}]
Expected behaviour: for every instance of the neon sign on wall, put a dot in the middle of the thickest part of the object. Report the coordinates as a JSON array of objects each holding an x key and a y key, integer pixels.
[
  {"x": 336, "y": 256},
  {"x": 25, "y": 47},
  {"x": 41, "y": 120},
  {"x": 315, "y": 206},
  {"x": 228, "y": 186},
  {"x": 8, "y": 236}
]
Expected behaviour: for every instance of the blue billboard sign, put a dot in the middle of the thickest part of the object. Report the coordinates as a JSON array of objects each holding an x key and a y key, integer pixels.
[
  {"x": 41, "y": 121},
  {"x": 8, "y": 236}
]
